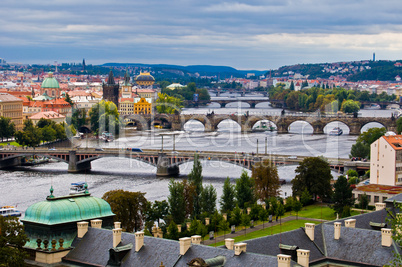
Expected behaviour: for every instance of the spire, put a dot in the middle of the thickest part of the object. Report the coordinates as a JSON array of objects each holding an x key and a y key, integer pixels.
[
  {"x": 51, "y": 192},
  {"x": 126, "y": 78},
  {"x": 110, "y": 80}
]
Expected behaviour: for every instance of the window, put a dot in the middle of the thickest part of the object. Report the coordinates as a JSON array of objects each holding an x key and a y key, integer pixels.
[{"x": 376, "y": 199}]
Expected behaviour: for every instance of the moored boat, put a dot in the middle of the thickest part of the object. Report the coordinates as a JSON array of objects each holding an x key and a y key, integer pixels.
[
  {"x": 78, "y": 188},
  {"x": 7, "y": 211}
]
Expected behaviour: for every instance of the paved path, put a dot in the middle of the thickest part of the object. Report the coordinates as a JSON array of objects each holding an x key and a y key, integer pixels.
[{"x": 256, "y": 228}]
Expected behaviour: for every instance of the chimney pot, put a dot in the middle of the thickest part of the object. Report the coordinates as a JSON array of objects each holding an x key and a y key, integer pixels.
[
  {"x": 229, "y": 243},
  {"x": 283, "y": 260},
  {"x": 379, "y": 206},
  {"x": 248, "y": 211},
  {"x": 196, "y": 239},
  {"x": 225, "y": 216},
  {"x": 337, "y": 230},
  {"x": 116, "y": 237},
  {"x": 117, "y": 225},
  {"x": 82, "y": 228},
  {"x": 139, "y": 240},
  {"x": 310, "y": 230},
  {"x": 96, "y": 223},
  {"x": 239, "y": 248},
  {"x": 179, "y": 228},
  {"x": 351, "y": 223},
  {"x": 386, "y": 237},
  {"x": 206, "y": 221},
  {"x": 185, "y": 244},
  {"x": 303, "y": 257}
]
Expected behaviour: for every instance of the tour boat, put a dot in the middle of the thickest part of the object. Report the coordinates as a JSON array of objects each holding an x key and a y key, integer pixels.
[
  {"x": 264, "y": 126},
  {"x": 107, "y": 137},
  {"x": 7, "y": 211},
  {"x": 336, "y": 131},
  {"x": 373, "y": 106},
  {"x": 77, "y": 188}
]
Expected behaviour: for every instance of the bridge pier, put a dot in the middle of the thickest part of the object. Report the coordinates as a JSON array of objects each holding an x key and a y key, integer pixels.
[
  {"x": 74, "y": 166},
  {"x": 318, "y": 128},
  {"x": 354, "y": 129},
  {"x": 164, "y": 168},
  {"x": 223, "y": 105},
  {"x": 252, "y": 105},
  {"x": 282, "y": 128},
  {"x": 8, "y": 163}
]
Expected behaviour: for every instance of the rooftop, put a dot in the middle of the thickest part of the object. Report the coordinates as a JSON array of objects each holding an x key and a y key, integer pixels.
[{"x": 387, "y": 189}]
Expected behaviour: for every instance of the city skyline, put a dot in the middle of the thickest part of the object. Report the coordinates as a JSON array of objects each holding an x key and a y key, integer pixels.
[{"x": 254, "y": 34}]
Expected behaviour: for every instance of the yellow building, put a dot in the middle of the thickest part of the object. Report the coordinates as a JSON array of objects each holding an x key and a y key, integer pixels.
[
  {"x": 145, "y": 79},
  {"x": 142, "y": 106},
  {"x": 11, "y": 107}
]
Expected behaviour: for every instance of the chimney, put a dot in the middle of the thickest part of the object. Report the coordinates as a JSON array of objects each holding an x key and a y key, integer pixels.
[
  {"x": 337, "y": 230},
  {"x": 239, "y": 248},
  {"x": 82, "y": 229},
  {"x": 310, "y": 230},
  {"x": 185, "y": 244},
  {"x": 139, "y": 240},
  {"x": 229, "y": 243},
  {"x": 117, "y": 225},
  {"x": 386, "y": 237},
  {"x": 248, "y": 210},
  {"x": 379, "y": 206},
  {"x": 206, "y": 221},
  {"x": 116, "y": 237},
  {"x": 196, "y": 239},
  {"x": 96, "y": 223},
  {"x": 264, "y": 206},
  {"x": 283, "y": 260},
  {"x": 179, "y": 228},
  {"x": 188, "y": 224},
  {"x": 303, "y": 257},
  {"x": 351, "y": 223}
]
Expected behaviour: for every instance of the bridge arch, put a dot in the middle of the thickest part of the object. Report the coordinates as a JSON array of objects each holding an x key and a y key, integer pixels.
[
  {"x": 336, "y": 123},
  {"x": 139, "y": 121},
  {"x": 227, "y": 124},
  {"x": 162, "y": 120},
  {"x": 261, "y": 104},
  {"x": 301, "y": 126},
  {"x": 194, "y": 125},
  {"x": 371, "y": 124}
]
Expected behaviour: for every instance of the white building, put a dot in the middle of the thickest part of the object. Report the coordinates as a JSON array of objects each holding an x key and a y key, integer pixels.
[{"x": 386, "y": 161}]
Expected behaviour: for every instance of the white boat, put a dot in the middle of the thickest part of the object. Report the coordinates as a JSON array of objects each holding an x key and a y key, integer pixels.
[
  {"x": 372, "y": 106},
  {"x": 264, "y": 126},
  {"x": 7, "y": 211},
  {"x": 336, "y": 131},
  {"x": 77, "y": 188}
]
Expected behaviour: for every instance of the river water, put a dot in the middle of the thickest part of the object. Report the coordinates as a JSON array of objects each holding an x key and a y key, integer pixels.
[{"x": 24, "y": 186}]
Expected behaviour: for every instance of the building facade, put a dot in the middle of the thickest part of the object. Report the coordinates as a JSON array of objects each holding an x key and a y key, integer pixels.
[
  {"x": 50, "y": 86},
  {"x": 11, "y": 107},
  {"x": 386, "y": 161}
]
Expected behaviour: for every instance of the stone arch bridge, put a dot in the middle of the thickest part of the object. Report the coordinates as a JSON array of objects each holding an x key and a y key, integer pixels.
[{"x": 247, "y": 121}]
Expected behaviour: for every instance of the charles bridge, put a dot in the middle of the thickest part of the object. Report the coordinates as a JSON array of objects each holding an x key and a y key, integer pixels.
[
  {"x": 166, "y": 162},
  {"x": 246, "y": 121}
]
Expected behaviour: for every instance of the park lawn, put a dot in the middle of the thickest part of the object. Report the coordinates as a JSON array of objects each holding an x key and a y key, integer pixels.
[
  {"x": 318, "y": 211},
  {"x": 11, "y": 143},
  {"x": 286, "y": 226}
]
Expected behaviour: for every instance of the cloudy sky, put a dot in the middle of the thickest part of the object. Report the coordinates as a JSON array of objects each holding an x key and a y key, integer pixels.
[{"x": 252, "y": 34}]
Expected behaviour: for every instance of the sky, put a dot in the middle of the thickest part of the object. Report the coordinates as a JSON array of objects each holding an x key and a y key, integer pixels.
[{"x": 247, "y": 35}]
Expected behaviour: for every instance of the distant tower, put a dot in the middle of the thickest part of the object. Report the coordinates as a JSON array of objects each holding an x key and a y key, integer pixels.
[
  {"x": 126, "y": 87},
  {"x": 111, "y": 90},
  {"x": 83, "y": 64},
  {"x": 373, "y": 56}
]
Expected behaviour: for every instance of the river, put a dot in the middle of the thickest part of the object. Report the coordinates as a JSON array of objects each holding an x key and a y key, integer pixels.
[{"x": 24, "y": 186}]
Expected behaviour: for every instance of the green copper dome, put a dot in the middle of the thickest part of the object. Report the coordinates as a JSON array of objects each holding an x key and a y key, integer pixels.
[
  {"x": 50, "y": 82},
  {"x": 74, "y": 208}
]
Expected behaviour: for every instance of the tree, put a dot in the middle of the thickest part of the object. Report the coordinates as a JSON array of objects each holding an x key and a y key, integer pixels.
[
  {"x": 12, "y": 240},
  {"x": 78, "y": 118},
  {"x": 172, "y": 231},
  {"x": 292, "y": 86},
  {"x": 363, "y": 201},
  {"x": 30, "y": 134},
  {"x": 104, "y": 116},
  {"x": 223, "y": 226},
  {"x": 48, "y": 133},
  {"x": 297, "y": 206},
  {"x": 7, "y": 128},
  {"x": 396, "y": 223},
  {"x": 168, "y": 104},
  {"x": 189, "y": 195},
  {"x": 208, "y": 199},
  {"x": 399, "y": 125},
  {"x": 227, "y": 200},
  {"x": 68, "y": 100},
  {"x": 313, "y": 174},
  {"x": 350, "y": 106},
  {"x": 195, "y": 178},
  {"x": 342, "y": 196},
  {"x": 371, "y": 135},
  {"x": 245, "y": 221},
  {"x": 266, "y": 180},
  {"x": 129, "y": 207},
  {"x": 157, "y": 210},
  {"x": 244, "y": 190},
  {"x": 306, "y": 197},
  {"x": 263, "y": 216},
  {"x": 280, "y": 211},
  {"x": 360, "y": 150},
  {"x": 176, "y": 201}
]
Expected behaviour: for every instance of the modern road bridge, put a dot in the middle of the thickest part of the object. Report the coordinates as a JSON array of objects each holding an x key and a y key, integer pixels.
[{"x": 166, "y": 162}]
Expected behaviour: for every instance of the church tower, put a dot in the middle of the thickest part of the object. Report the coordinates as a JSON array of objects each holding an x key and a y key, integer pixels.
[
  {"x": 125, "y": 91},
  {"x": 111, "y": 90}
]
